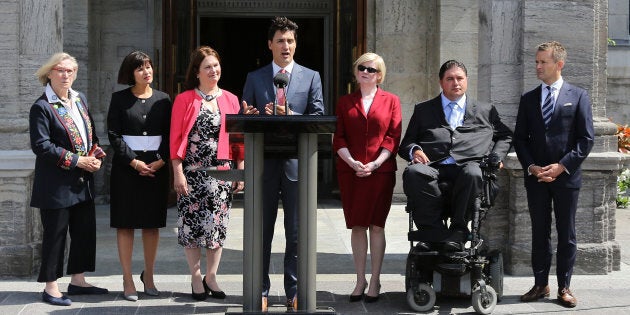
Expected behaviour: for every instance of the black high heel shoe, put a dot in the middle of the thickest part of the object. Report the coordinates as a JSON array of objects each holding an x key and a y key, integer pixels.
[
  {"x": 358, "y": 297},
  {"x": 372, "y": 299},
  {"x": 148, "y": 291},
  {"x": 214, "y": 294},
  {"x": 199, "y": 296}
]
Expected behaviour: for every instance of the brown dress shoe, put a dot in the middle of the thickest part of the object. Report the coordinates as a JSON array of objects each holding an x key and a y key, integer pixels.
[
  {"x": 566, "y": 298},
  {"x": 535, "y": 293}
]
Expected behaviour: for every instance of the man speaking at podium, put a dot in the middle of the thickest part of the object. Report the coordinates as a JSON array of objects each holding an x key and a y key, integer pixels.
[{"x": 301, "y": 95}]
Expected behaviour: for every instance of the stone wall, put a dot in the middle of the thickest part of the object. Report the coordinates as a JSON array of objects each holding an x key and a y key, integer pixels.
[
  {"x": 598, "y": 253},
  {"x": 494, "y": 38},
  {"x": 31, "y": 33},
  {"x": 403, "y": 33}
]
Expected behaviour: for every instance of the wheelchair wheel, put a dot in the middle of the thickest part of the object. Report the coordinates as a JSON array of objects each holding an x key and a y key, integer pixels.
[
  {"x": 408, "y": 274},
  {"x": 484, "y": 303},
  {"x": 421, "y": 298},
  {"x": 496, "y": 274}
]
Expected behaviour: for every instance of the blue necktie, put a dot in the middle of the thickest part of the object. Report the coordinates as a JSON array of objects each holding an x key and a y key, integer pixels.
[
  {"x": 452, "y": 115},
  {"x": 547, "y": 108}
]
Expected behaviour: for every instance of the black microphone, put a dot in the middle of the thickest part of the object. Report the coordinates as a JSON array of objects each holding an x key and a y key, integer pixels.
[{"x": 280, "y": 80}]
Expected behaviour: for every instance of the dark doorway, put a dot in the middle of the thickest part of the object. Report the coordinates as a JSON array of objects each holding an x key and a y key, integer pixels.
[
  {"x": 242, "y": 45},
  {"x": 331, "y": 35}
]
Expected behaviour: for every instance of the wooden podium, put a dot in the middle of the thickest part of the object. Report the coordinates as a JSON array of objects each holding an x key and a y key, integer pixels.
[{"x": 293, "y": 136}]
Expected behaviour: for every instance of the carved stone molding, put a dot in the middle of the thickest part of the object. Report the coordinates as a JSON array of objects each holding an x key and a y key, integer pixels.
[{"x": 265, "y": 6}]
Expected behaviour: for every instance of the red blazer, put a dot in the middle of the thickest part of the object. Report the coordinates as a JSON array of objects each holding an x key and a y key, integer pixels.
[
  {"x": 365, "y": 135},
  {"x": 185, "y": 111}
]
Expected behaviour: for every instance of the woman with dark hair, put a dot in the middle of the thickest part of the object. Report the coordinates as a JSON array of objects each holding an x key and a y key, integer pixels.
[
  {"x": 138, "y": 125},
  {"x": 64, "y": 141},
  {"x": 199, "y": 142}
]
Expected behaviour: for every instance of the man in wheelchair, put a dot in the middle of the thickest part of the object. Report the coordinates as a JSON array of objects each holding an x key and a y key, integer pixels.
[{"x": 444, "y": 143}]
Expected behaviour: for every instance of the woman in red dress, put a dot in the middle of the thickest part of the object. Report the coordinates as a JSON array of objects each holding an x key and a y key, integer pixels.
[{"x": 366, "y": 141}]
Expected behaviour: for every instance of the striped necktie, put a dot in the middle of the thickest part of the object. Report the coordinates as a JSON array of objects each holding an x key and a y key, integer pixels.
[{"x": 547, "y": 107}]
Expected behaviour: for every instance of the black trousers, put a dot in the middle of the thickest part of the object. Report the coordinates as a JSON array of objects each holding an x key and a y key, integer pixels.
[
  {"x": 277, "y": 186},
  {"x": 80, "y": 221},
  {"x": 426, "y": 200}
]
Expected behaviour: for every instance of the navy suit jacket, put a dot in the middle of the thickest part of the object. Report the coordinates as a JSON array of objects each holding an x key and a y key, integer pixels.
[
  {"x": 481, "y": 133},
  {"x": 304, "y": 97},
  {"x": 567, "y": 140},
  {"x": 58, "y": 182}
]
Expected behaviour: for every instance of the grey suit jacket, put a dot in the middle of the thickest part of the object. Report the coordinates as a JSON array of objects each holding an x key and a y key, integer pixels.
[
  {"x": 304, "y": 97},
  {"x": 481, "y": 133}
]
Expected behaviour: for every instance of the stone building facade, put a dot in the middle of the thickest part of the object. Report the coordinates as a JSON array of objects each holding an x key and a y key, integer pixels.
[
  {"x": 494, "y": 38},
  {"x": 618, "y": 67}
]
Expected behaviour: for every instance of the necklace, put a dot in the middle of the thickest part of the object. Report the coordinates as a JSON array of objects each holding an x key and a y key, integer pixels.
[{"x": 207, "y": 97}]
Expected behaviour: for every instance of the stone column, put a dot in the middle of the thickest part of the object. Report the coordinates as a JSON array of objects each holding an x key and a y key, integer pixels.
[
  {"x": 34, "y": 34},
  {"x": 500, "y": 82},
  {"x": 581, "y": 27},
  {"x": 405, "y": 34}
]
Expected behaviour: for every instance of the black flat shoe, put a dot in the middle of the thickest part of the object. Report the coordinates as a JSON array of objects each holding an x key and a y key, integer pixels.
[
  {"x": 61, "y": 301},
  {"x": 214, "y": 294},
  {"x": 79, "y": 290},
  {"x": 198, "y": 296}
]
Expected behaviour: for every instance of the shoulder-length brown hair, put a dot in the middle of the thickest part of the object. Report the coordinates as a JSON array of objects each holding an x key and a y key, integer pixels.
[
  {"x": 197, "y": 56},
  {"x": 130, "y": 64}
]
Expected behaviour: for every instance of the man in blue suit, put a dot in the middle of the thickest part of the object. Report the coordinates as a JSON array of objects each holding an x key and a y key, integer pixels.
[
  {"x": 553, "y": 135},
  {"x": 303, "y": 97}
]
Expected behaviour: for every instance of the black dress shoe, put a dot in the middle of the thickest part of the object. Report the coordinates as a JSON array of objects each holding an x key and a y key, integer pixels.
[
  {"x": 452, "y": 246},
  {"x": 423, "y": 246},
  {"x": 61, "y": 301},
  {"x": 198, "y": 296},
  {"x": 214, "y": 294},
  {"x": 79, "y": 290},
  {"x": 457, "y": 235}
]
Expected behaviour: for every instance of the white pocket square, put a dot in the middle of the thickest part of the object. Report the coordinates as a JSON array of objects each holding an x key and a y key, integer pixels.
[{"x": 567, "y": 104}]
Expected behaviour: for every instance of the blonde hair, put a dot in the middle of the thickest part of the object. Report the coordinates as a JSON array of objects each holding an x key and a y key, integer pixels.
[
  {"x": 44, "y": 70},
  {"x": 558, "y": 52},
  {"x": 380, "y": 64}
]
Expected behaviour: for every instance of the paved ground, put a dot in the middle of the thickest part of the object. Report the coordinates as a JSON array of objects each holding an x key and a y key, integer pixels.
[{"x": 596, "y": 294}]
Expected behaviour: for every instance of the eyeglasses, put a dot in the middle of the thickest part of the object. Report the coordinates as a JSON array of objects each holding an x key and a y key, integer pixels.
[
  {"x": 69, "y": 72},
  {"x": 362, "y": 68}
]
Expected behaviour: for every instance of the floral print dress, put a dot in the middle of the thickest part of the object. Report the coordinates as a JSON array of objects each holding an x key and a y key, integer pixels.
[{"x": 203, "y": 215}]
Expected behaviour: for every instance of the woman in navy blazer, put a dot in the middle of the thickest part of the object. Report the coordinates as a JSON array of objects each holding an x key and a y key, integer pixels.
[
  {"x": 366, "y": 141},
  {"x": 64, "y": 141}
]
